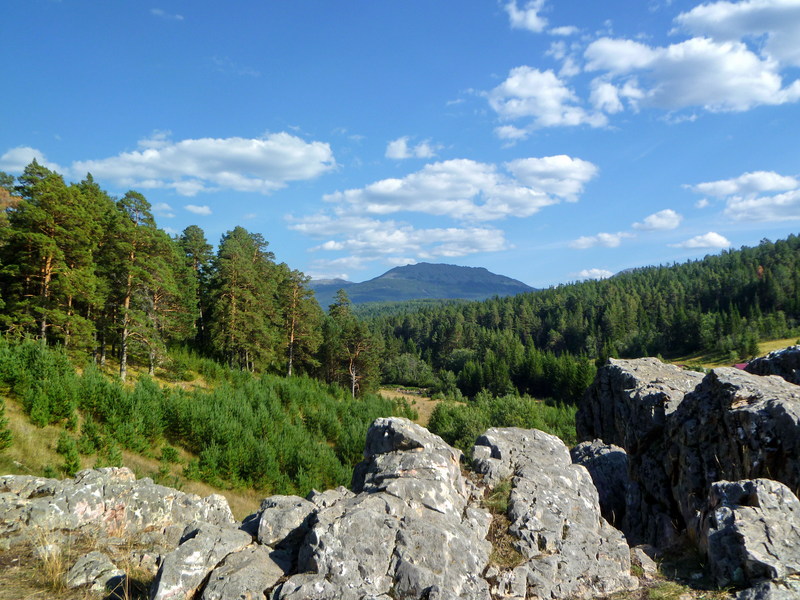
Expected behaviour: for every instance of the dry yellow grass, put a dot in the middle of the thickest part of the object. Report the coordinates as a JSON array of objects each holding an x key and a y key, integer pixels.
[
  {"x": 422, "y": 404},
  {"x": 711, "y": 360}
]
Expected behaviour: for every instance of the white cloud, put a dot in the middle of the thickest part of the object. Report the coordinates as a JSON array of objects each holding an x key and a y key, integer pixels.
[
  {"x": 365, "y": 239},
  {"x": 196, "y": 165},
  {"x": 162, "y": 14},
  {"x": 773, "y": 24},
  {"x": 605, "y": 97},
  {"x": 718, "y": 76},
  {"x": 198, "y": 210},
  {"x": 472, "y": 191},
  {"x": 528, "y": 16},
  {"x": 780, "y": 207},
  {"x": 754, "y": 182},
  {"x": 702, "y": 203},
  {"x": 755, "y": 196},
  {"x": 564, "y": 30},
  {"x": 708, "y": 240},
  {"x": 609, "y": 240},
  {"x": 561, "y": 175},
  {"x": 16, "y": 159},
  {"x": 543, "y": 98},
  {"x": 162, "y": 209},
  {"x": 662, "y": 220},
  {"x": 594, "y": 274},
  {"x": 399, "y": 149}
]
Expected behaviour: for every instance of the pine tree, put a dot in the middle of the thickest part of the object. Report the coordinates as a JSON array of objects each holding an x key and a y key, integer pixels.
[
  {"x": 200, "y": 254},
  {"x": 301, "y": 317},
  {"x": 5, "y": 433},
  {"x": 245, "y": 327}
]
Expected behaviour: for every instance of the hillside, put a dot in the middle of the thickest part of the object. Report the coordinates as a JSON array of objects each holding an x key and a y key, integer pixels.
[{"x": 421, "y": 281}]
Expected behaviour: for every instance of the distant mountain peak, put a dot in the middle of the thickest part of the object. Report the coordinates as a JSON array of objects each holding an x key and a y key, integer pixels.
[{"x": 423, "y": 281}]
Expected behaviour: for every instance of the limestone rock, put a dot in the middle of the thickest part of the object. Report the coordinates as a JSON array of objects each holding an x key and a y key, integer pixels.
[
  {"x": 184, "y": 570},
  {"x": 246, "y": 575},
  {"x": 570, "y": 550},
  {"x": 783, "y": 363},
  {"x": 94, "y": 569},
  {"x": 734, "y": 426},
  {"x": 628, "y": 405},
  {"x": 752, "y": 532},
  {"x": 782, "y": 589},
  {"x": 608, "y": 466},
  {"x": 284, "y": 520},
  {"x": 110, "y": 499},
  {"x": 406, "y": 531}
]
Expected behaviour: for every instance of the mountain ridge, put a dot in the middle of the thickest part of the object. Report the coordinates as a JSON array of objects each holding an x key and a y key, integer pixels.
[{"x": 422, "y": 281}]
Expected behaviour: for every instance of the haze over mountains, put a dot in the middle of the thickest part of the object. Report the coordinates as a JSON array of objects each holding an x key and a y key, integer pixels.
[{"x": 421, "y": 281}]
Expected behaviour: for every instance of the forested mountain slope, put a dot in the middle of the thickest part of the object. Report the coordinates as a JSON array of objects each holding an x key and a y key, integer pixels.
[
  {"x": 423, "y": 280},
  {"x": 723, "y": 303}
]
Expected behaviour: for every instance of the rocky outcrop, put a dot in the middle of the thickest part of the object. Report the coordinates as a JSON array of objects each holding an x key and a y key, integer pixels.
[
  {"x": 109, "y": 499},
  {"x": 570, "y": 551},
  {"x": 751, "y": 532},
  {"x": 413, "y": 527},
  {"x": 733, "y": 426},
  {"x": 628, "y": 405},
  {"x": 407, "y": 531},
  {"x": 783, "y": 363},
  {"x": 608, "y": 466},
  {"x": 714, "y": 455}
]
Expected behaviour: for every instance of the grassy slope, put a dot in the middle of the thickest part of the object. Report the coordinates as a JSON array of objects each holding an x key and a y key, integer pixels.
[{"x": 711, "y": 360}]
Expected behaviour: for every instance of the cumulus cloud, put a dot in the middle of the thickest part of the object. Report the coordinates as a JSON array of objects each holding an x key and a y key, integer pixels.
[
  {"x": 702, "y": 203},
  {"x": 755, "y": 182},
  {"x": 699, "y": 72},
  {"x": 542, "y": 98},
  {"x": 366, "y": 239},
  {"x": 468, "y": 190},
  {"x": 16, "y": 159},
  {"x": 594, "y": 274},
  {"x": 778, "y": 207},
  {"x": 400, "y": 149},
  {"x": 755, "y": 196},
  {"x": 528, "y": 16},
  {"x": 773, "y": 24},
  {"x": 198, "y": 210},
  {"x": 162, "y": 209},
  {"x": 196, "y": 165},
  {"x": 662, "y": 220},
  {"x": 708, "y": 240},
  {"x": 609, "y": 240},
  {"x": 561, "y": 175}
]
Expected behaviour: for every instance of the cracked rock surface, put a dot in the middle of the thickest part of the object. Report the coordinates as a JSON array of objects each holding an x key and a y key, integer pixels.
[
  {"x": 413, "y": 528},
  {"x": 570, "y": 550}
]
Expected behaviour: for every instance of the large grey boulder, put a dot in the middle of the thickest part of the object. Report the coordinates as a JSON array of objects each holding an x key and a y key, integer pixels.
[
  {"x": 95, "y": 570},
  {"x": 787, "y": 588},
  {"x": 734, "y": 426},
  {"x": 608, "y": 466},
  {"x": 186, "y": 568},
  {"x": 247, "y": 575},
  {"x": 406, "y": 532},
  {"x": 752, "y": 532},
  {"x": 570, "y": 550},
  {"x": 109, "y": 500},
  {"x": 628, "y": 405},
  {"x": 783, "y": 363}
]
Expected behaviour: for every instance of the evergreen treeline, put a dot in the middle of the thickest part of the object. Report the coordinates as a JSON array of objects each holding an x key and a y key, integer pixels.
[
  {"x": 545, "y": 343},
  {"x": 82, "y": 270},
  {"x": 277, "y": 434}
]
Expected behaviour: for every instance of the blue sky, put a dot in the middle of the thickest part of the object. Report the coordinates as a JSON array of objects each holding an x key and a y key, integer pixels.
[{"x": 546, "y": 140}]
